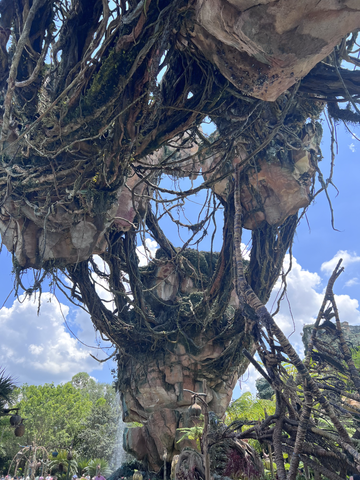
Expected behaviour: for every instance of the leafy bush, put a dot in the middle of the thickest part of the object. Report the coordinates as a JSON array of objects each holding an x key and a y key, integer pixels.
[
  {"x": 91, "y": 468},
  {"x": 60, "y": 463},
  {"x": 82, "y": 463}
]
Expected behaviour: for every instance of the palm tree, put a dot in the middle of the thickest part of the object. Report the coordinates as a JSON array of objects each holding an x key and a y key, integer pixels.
[
  {"x": 60, "y": 463},
  {"x": 92, "y": 467},
  {"x": 82, "y": 463},
  {"x": 6, "y": 389}
]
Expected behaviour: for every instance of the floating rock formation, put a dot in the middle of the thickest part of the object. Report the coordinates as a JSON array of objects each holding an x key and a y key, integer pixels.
[{"x": 263, "y": 47}]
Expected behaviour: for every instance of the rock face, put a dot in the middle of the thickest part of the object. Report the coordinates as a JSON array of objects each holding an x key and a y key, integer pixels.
[
  {"x": 351, "y": 334},
  {"x": 274, "y": 189},
  {"x": 264, "y": 46},
  {"x": 70, "y": 236},
  {"x": 153, "y": 394}
]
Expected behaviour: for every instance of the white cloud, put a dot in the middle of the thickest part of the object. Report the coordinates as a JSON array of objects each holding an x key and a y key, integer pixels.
[
  {"x": 352, "y": 147},
  {"x": 246, "y": 383},
  {"x": 102, "y": 285},
  {"x": 305, "y": 292},
  {"x": 245, "y": 251},
  {"x": 347, "y": 257},
  {"x": 146, "y": 254},
  {"x": 304, "y": 299},
  {"x": 38, "y": 349},
  {"x": 352, "y": 282},
  {"x": 35, "y": 349}
]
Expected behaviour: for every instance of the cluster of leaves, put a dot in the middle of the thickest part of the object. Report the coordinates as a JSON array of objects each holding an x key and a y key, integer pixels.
[
  {"x": 60, "y": 464},
  {"x": 248, "y": 407},
  {"x": 6, "y": 389},
  {"x": 6, "y": 392},
  {"x": 81, "y": 413}
]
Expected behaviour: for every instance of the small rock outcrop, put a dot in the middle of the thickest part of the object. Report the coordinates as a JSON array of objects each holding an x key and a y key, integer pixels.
[{"x": 351, "y": 334}]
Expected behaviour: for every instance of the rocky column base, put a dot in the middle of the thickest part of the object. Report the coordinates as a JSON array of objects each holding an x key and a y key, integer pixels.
[{"x": 154, "y": 395}]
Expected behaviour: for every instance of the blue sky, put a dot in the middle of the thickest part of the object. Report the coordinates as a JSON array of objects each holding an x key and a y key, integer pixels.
[{"x": 38, "y": 349}]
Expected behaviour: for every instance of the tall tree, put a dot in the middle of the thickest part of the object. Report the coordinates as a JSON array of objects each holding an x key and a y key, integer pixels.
[
  {"x": 101, "y": 100},
  {"x": 97, "y": 437},
  {"x": 7, "y": 387},
  {"x": 54, "y": 413}
]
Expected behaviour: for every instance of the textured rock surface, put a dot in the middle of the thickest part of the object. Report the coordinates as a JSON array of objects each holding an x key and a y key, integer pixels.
[
  {"x": 263, "y": 47},
  {"x": 69, "y": 238},
  {"x": 351, "y": 334},
  {"x": 153, "y": 394},
  {"x": 273, "y": 189}
]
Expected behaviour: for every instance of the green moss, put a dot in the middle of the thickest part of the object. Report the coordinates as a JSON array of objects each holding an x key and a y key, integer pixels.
[
  {"x": 100, "y": 200},
  {"x": 199, "y": 266},
  {"x": 105, "y": 82}
]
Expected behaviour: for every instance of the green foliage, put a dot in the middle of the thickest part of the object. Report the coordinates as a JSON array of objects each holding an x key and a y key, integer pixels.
[
  {"x": 92, "y": 467},
  {"x": 81, "y": 411},
  {"x": 6, "y": 389},
  {"x": 97, "y": 437},
  {"x": 248, "y": 407},
  {"x": 134, "y": 425},
  {"x": 82, "y": 463},
  {"x": 356, "y": 357},
  {"x": 60, "y": 464},
  {"x": 105, "y": 81},
  {"x": 193, "y": 433},
  {"x": 82, "y": 381},
  {"x": 54, "y": 413}
]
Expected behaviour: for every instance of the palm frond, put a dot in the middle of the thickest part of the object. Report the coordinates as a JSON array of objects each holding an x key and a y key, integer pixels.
[{"x": 7, "y": 386}]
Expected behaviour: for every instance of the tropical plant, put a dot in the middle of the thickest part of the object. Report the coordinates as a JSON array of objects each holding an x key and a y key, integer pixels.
[
  {"x": 191, "y": 433},
  {"x": 82, "y": 463},
  {"x": 248, "y": 407},
  {"x": 60, "y": 463},
  {"x": 7, "y": 387},
  {"x": 93, "y": 467}
]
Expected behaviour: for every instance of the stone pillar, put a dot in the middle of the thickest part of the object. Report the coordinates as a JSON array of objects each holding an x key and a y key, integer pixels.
[{"x": 153, "y": 394}]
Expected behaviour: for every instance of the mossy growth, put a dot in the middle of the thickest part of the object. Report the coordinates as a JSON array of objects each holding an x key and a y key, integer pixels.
[
  {"x": 204, "y": 263},
  {"x": 190, "y": 303},
  {"x": 105, "y": 82},
  {"x": 197, "y": 265},
  {"x": 100, "y": 200}
]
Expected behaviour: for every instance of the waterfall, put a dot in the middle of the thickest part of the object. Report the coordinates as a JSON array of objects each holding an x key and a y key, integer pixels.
[{"x": 119, "y": 456}]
